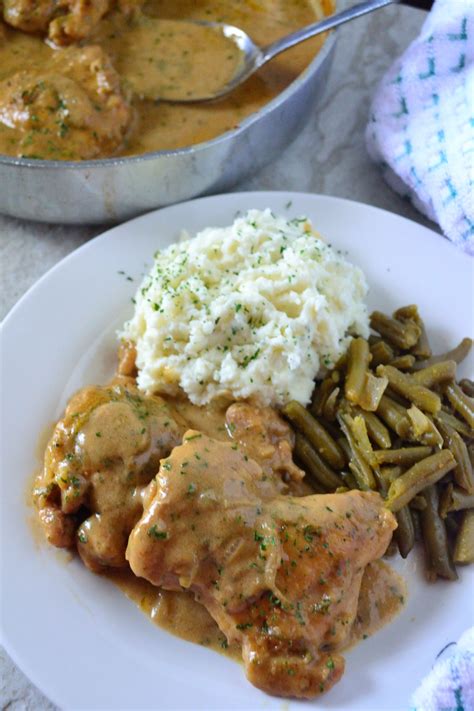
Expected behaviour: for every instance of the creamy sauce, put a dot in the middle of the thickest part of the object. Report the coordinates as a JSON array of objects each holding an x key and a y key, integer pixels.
[
  {"x": 158, "y": 126},
  {"x": 155, "y": 66},
  {"x": 209, "y": 420},
  {"x": 176, "y": 612},
  {"x": 382, "y": 595}
]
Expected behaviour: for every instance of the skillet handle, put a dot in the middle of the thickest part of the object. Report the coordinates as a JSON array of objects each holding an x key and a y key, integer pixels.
[{"x": 420, "y": 4}]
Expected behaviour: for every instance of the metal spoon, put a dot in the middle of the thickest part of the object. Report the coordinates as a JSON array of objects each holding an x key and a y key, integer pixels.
[{"x": 254, "y": 57}]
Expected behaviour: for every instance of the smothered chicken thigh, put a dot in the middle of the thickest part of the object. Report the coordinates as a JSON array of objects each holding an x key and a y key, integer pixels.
[
  {"x": 76, "y": 94},
  {"x": 102, "y": 454},
  {"x": 280, "y": 574}
]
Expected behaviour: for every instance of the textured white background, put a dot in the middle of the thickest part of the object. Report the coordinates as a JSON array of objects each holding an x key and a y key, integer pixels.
[{"x": 328, "y": 157}]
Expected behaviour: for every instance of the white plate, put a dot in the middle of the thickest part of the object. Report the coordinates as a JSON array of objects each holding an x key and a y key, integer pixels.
[{"x": 74, "y": 634}]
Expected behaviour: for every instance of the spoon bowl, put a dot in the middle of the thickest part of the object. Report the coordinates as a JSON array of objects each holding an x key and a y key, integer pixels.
[{"x": 253, "y": 57}]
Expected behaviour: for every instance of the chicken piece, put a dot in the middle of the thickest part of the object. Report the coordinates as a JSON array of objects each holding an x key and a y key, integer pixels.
[
  {"x": 64, "y": 21},
  {"x": 100, "y": 458},
  {"x": 29, "y": 15},
  {"x": 266, "y": 438},
  {"x": 280, "y": 575},
  {"x": 72, "y": 108}
]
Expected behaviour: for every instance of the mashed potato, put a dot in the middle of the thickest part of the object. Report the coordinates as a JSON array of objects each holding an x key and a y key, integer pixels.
[{"x": 256, "y": 309}]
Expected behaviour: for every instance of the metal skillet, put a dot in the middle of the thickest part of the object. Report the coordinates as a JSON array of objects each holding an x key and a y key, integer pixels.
[{"x": 114, "y": 189}]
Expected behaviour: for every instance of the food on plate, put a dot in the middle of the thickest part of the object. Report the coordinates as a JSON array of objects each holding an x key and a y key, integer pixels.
[
  {"x": 395, "y": 415},
  {"x": 78, "y": 97},
  {"x": 243, "y": 505},
  {"x": 281, "y": 575},
  {"x": 144, "y": 47},
  {"x": 256, "y": 309}
]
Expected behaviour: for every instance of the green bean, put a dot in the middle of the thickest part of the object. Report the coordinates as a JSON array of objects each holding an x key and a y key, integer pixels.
[
  {"x": 415, "y": 517},
  {"x": 390, "y": 473},
  {"x": 404, "y": 457},
  {"x": 341, "y": 362},
  {"x": 445, "y": 499},
  {"x": 435, "y": 374},
  {"x": 320, "y": 395},
  {"x": 457, "y": 354},
  {"x": 467, "y": 386},
  {"x": 463, "y": 474},
  {"x": 401, "y": 334},
  {"x": 464, "y": 546},
  {"x": 452, "y": 525},
  {"x": 452, "y": 421},
  {"x": 380, "y": 483},
  {"x": 435, "y": 537},
  {"x": 375, "y": 428},
  {"x": 358, "y": 465},
  {"x": 454, "y": 499},
  {"x": 357, "y": 365},
  {"x": 397, "y": 397},
  {"x": 422, "y": 474},
  {"x": 315, "y": 434},
  {"x": 409, "y": 312},
  {"x": 373, "y": 391},
  {"x": 359, "y": 430},
  {"x": 344, "y": 445},
  {"x": 418, "y": 503},
  {"x": 395, "y": 416},
  {"x": 331, "y": 405},
  {"x": 381, "y": 353},
  {"x": 405, "y": 532},
  {"x": 350, "y": 480},
  {"x": 424, "y": 429},
  {"x": 314, "y": 466},
  {"x": 405, "y": 386},
  {"x": 403, "y": 362},
  {"x": 460, "y": 402},
  {"x": 360, "y": 474},
  {"x": 332, "y": 428},
  {"x": 422, "y": 348}
]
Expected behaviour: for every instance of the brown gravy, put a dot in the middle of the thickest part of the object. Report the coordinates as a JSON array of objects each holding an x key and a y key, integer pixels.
[
  {"x": 381, "y": 598},
  {"x": 160, "y": 126}
]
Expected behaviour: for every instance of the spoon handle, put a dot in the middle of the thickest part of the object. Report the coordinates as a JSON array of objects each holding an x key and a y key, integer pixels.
[{"x": 362, "y": 8}]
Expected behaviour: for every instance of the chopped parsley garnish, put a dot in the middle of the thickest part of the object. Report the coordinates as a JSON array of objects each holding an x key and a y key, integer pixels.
[
  {"x": 153, "y": 532},
  {"x": 244, "y": 625}
]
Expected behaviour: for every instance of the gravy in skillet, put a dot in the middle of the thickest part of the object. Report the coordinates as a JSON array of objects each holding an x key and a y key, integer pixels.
[{"x": 79, "y": 95}]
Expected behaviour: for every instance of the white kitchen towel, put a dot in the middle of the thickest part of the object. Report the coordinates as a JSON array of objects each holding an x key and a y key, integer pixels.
[
  {"x": 450, "y": 684},
  {"x": 421, "y": 127}
]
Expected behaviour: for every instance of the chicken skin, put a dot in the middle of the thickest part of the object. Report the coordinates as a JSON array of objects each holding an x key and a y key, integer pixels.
[
  {"x": 280, "y": 574},
  {"x": 102, "y": 454},
  {"x": 265, "y": 437}
]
